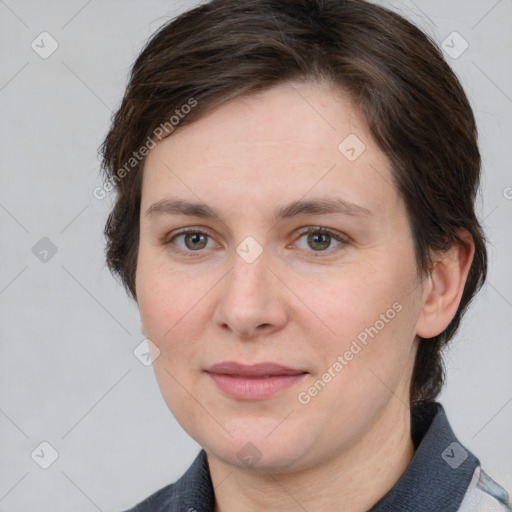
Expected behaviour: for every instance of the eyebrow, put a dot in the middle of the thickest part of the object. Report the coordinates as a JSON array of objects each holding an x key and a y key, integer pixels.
[{"x": 327, "y": 205}]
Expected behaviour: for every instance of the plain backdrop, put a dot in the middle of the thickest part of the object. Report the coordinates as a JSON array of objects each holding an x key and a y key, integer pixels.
[{"x": 68, "y": 374}]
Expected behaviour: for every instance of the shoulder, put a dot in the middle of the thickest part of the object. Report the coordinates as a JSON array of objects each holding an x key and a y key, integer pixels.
[
  {"x": 485, "y": 495},
  {"x": 193, "y": 492}
]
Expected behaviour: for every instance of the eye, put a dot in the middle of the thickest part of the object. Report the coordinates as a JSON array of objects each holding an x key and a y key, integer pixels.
[
  {"x": 320, "y": 239},
  {"x": 191, "y": 240}
]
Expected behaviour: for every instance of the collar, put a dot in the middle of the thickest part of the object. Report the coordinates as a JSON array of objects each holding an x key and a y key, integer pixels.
[
  {"x": 440, "y": 472},
  {"x": 437, "y": 478}
]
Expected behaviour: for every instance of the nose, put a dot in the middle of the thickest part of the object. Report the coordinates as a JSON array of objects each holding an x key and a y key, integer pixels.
[{"x": 252, "y": 301}]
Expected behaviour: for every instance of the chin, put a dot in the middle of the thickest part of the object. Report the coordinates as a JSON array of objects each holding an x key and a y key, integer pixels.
[{"x": 254, "y": 448}]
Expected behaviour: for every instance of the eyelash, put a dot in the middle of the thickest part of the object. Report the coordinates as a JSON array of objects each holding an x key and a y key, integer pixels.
[{"x": 343, "y": 240}]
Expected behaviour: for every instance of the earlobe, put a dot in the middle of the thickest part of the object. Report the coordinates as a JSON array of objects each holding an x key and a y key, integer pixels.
[{"x": 444, "y": 286}]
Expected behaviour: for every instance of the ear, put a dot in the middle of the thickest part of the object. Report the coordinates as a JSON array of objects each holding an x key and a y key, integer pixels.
[{"x": 443, "y": 287}]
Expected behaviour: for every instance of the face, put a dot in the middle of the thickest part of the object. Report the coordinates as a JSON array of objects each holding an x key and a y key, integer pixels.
[{"x": 272, "y": 242}]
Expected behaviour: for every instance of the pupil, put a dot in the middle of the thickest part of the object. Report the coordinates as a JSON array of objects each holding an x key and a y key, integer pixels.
[{"x": 320, "y": 240}]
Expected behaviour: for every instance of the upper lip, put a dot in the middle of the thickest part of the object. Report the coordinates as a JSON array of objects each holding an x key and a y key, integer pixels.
[{"x": 256, "y": 370}]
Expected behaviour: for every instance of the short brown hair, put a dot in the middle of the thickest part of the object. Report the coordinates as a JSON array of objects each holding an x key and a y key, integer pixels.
[{"x": 414, "y": 104}]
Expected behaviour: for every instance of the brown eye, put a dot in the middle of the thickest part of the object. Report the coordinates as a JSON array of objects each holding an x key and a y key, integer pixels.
[
  {"x": 195, "y": 241},
  {"x": 319, "y": 241}
]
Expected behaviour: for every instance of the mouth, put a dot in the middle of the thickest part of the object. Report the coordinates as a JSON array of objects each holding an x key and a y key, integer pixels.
[{"x": 255, "y": 382}]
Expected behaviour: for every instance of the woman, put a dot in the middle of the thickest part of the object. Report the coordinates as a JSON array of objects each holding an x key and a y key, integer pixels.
[{"x": 295, "y": 218}]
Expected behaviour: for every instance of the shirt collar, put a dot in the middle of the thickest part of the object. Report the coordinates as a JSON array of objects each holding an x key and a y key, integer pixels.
[{"x": 440, "y": 472}]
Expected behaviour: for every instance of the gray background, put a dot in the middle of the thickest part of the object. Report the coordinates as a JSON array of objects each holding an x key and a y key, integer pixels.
[{"x": 68, "y": 375}]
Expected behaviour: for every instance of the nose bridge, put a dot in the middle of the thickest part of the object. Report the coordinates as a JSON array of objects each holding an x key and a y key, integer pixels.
[
  {"x": 248, "y": 277},
  {"x": 251, "y": 302}
]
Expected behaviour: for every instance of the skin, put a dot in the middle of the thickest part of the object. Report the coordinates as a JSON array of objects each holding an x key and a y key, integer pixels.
[{"x": 295, "y": 305}]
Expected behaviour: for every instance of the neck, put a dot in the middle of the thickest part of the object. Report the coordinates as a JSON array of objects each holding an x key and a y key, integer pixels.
[{"x": 358, "y": 478}]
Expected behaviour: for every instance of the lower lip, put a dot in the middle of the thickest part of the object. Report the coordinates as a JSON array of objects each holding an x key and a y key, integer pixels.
[{"x": 256, "y": 388}]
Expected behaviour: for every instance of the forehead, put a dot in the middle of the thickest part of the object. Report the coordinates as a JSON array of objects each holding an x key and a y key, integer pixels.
[{"x": 295, "y": 139}]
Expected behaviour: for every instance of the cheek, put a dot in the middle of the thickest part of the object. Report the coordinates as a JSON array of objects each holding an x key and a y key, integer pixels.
[
  {"x": 371, "y": 317},
  {"x": 171, "y": 305},
  {"x": 368, "y": 359},
  {"x": 171, "y": 311},
  {"x": 355, "y": 304}
]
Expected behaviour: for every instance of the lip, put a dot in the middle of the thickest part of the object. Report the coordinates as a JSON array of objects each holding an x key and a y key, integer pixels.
[
  {"x": 252, "y": 371},
  {"x": 254, "y": 382}
]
